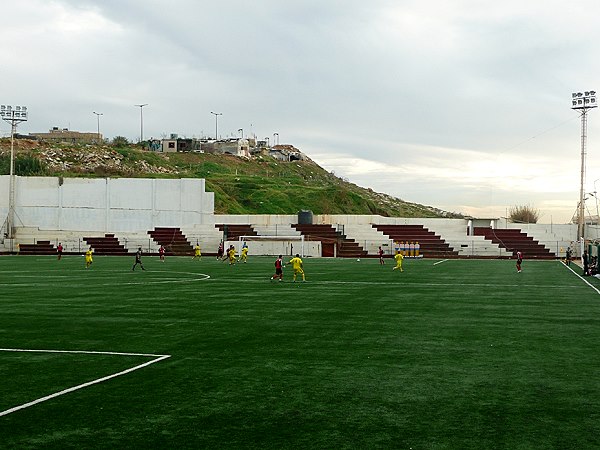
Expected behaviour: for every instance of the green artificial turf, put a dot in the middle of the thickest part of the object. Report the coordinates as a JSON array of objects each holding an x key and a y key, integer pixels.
[{"x": 458, "y": 354}]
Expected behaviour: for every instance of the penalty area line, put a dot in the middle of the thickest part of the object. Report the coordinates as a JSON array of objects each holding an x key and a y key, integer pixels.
[
  {"x": 439, "y": 262},
  {"x": 157, "y": 358}
]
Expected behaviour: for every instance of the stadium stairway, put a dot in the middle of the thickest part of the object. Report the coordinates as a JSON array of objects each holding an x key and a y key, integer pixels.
[
  {"x": 173, "y": 240},
  {"x": 431, "y": 245},
  {"x": 107, "y": 245},
  {"x": 330, "y": 237},
  {"x": 514, "y": 240}
]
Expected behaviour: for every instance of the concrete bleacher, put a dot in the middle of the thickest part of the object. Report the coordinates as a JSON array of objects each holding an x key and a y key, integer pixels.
[
  {"x": 351, "y": 236},
  {"x": 334, "y": 242},
  {"x": 431, "y": 244},
  {"x": 173, "y": 240},
  {"x": 514, "y": 240},
  {"x": 39, "y": 248},
  {"x": 106, "y": 245},
  {"x": 369, "y": 239},
  {"x": 232, "y": 232}
]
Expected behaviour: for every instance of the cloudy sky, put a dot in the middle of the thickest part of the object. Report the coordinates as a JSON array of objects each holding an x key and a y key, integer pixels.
[{"x": 459, "y": 104}]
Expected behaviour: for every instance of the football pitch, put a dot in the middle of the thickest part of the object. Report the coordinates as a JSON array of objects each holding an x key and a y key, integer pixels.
[{"x": 198, "y": 354}]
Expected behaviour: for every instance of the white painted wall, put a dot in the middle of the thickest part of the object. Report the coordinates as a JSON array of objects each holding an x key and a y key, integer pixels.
[{"x": 107, "y": 204}]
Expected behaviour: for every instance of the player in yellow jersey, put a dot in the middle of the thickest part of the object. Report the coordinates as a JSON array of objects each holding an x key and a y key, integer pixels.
[
  {"x": 297, "y": 266},
  {"x": 197, "y": 253},
  {"x": 244, "y": 254},
  {"x": 231, "y": 255},
  {"x": 88, "y": 257},
  {"x": 398, "y": 257}
]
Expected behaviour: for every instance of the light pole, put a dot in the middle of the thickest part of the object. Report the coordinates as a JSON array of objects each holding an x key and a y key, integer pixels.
[
  {"x": 141, "y": 120},
  {"x": 216, "y": 124},
  {"x": 241, "y": 130},
  {"x": 596, "y": 197},
  {"x": 98, "y": 117},
  {"x": 582, "y": 101},
  {"x": 13, "y": 116}
]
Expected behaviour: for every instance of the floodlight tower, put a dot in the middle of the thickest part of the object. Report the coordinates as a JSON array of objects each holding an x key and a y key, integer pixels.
[
  {"x": 98, "y": 117},
  {"x": 216, "y": 124},
  {"x": 14, "y": 116},
  {"x": 141, "y": 120},
  {"x": 582, "y": 101}
]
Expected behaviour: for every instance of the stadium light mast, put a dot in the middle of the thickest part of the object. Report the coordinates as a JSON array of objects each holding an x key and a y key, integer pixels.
[
  {"x": 141, "y": 120},
  {"x": 14, "y": 116},
  {"x": 582, "y": 101},
  {"x": 98, "y": 117},
  {"x": 216, "y": 124}
]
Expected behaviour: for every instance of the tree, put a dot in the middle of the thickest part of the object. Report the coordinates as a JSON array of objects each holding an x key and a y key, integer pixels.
[
  {"x": 120, "y": 141},
  {"x": 523, "y": 214}
]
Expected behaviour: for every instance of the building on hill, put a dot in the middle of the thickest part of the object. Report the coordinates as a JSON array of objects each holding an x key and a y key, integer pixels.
[
  {"x": 234, "y": 146},
  {"x": 177, "y": 144},
  {"x": 57, "y": 134},
  {"x": 241, "y": 147},
  {"x": 286, "y": 153}
]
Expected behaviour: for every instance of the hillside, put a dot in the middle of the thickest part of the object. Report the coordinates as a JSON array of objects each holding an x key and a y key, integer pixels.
[{"x": 261, "y": 185}]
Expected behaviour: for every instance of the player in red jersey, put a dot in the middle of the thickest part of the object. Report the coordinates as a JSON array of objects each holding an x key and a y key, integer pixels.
[
  {"x": 380, "y": 251},
  {"x": 59, "y": 250},
  {"x": 161, "y": 253},
  {"x": 278, "y": 269}
]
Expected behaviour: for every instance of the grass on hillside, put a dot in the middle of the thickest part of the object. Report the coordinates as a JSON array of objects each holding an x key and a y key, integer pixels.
[
  {"x": 260, "y": 185},
  {"x": 454, "y": 354}
]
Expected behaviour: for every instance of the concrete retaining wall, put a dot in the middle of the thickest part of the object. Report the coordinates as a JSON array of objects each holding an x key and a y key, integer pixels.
[{"x": 107, "y": 204}]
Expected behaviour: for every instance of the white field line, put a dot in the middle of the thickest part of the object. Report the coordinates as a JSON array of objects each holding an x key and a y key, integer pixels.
[
  {"x": 582, "y": 279},
  {"x": 156, "y": 359},
  {"x": 439, "y": 262},
  {"x": 198, "y": 277}
]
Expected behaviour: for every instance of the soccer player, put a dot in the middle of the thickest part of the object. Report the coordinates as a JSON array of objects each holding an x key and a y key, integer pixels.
[
  {"x": 88, "y": 257},
  {"x": 380, "y": 251},
  {"x": 244, "y": 254},
  {"x": 220, "y": 250},
  {"x": 399, "y": 257},
  {"x": 197, "y": 253},
  {"x": 298, "y": 267},
  {"x": 519, "y": 260},
  {"x": 231, "y": 255},
  {"x": 59, "y": 251},
  {"x": 138, "y": 259},
  {"x": 278, "y": 269},
  {"x": 161, "y": 253}
]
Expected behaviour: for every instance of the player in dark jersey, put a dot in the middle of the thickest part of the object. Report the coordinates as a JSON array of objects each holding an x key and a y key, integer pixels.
[
  {"x": 519, "y": 260},
  {"x": 220, "y": 251},
  {"x": 278, "y": 269},
  {"x": 138, "y": 259}
]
